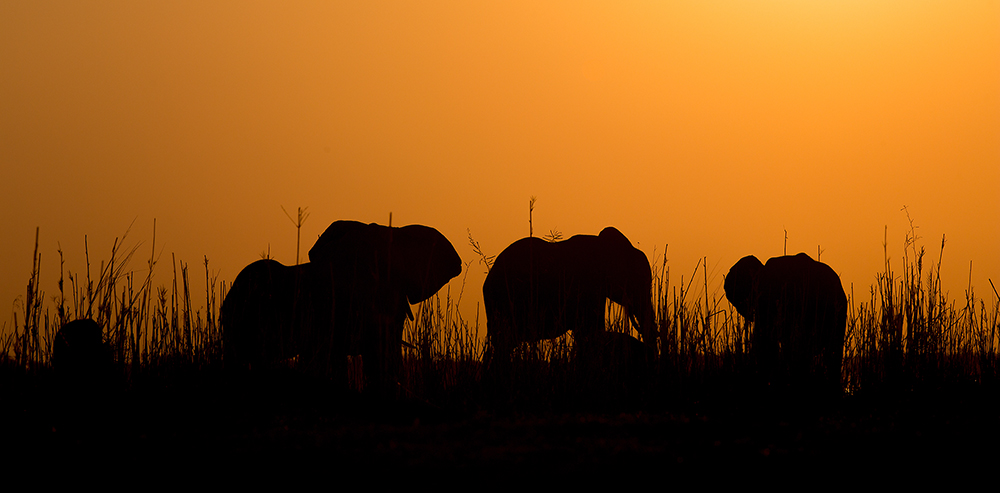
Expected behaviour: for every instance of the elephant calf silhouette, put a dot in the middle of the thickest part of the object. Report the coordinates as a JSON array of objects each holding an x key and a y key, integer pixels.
[
  {"x": 352, "y": 298},
  {"x": 799, "y": 313},
  {"x": 80, "y": 358},
  {"x": 539, "y": 290}
]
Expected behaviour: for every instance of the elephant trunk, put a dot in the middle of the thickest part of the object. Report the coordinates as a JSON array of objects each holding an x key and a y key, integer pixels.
[{"x": 644, "y": 321}]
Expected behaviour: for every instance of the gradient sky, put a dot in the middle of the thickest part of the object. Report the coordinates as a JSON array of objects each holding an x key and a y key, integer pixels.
[{"x": 704, "y": 128}]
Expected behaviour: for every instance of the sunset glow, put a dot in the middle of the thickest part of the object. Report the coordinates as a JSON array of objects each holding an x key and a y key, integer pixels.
[{"x": 703, "y": 130}]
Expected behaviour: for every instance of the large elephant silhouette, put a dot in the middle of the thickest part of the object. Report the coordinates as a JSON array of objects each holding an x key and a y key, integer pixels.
[
  {"x": 539, "y": 290},
  {"x": 799, "y": 314},
  {"x": 352, "y": 298}
]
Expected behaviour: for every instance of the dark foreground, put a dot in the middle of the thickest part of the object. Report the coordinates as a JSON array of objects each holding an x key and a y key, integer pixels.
[{"x": 294, "y": 425}]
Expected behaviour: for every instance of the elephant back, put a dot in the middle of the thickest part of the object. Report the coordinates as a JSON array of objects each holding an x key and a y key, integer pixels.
[
  {"x": 338, "y": 238},
  {"x": 800, "y": 320}
]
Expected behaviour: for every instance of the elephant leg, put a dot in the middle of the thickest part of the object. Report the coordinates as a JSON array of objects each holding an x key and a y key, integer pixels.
[
  {"x": 833, "y": 357},
  {"x": 588, "y": 326},
  {"x": 370, "y": 359},
  {"x": 499, "y": 345},
  {"x": 392, "y": 351},
  {"x": 339, "y": 352},
  {"x": 765, "y": 349},
  {"x": 382, "y": 355}
]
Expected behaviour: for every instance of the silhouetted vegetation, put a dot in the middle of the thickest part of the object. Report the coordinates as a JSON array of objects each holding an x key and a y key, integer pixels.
[
  {"x": 904, "y": 338},
  {"x": 145, "y": 327},
  {"x": 903, "y": 334}
]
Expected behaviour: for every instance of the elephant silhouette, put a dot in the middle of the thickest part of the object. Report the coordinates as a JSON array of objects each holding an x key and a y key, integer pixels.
[
  {"x": 539, "y": 290},
  {"x": 799, "y": 314},
  {"x": 80, "y": 358},
  {"x": 87, "y": 384},
  {"x": 352, "y": 298}
]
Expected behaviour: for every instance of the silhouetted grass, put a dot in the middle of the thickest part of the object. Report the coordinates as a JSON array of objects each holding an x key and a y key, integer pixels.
[
  {"x": 903, "y": 335},
  {"x": 144, "y": 329},
  {"x": 907, "y": 335}
]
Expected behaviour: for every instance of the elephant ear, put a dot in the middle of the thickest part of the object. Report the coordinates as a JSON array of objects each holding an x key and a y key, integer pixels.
[
  {"x": 426, "y": 258},
  {"x": 335, "y": 240},
  {"x": 741, "y": 284}
]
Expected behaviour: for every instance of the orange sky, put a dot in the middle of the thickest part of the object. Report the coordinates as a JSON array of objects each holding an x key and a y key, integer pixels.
[{"x": 711, "y": 127}]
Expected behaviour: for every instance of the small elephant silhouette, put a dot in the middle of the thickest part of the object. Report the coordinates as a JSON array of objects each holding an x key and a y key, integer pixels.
[
  {"x": 87, "y": 385},
  {"x": 539, "y": 290},
  {"x": 798, "y": 309},
  {"x": 79, "y": 356},
  {"x": 352, "y": 298}
]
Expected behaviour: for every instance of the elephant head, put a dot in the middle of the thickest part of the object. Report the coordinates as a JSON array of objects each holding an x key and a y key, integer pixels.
[
  {"x": 422, "y": 258},
  {"x": 353, "y": 297},
  {"x": 629, "y": 280},
  {"x": 413, "y": 261},
  {"x": 741, "y": 285},
  {"x": 799, "y": 313},
  {"x": 539, "y": 290}
]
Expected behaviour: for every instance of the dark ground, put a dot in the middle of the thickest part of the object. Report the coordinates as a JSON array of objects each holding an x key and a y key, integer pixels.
[{"x": 211, "y": 421}]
